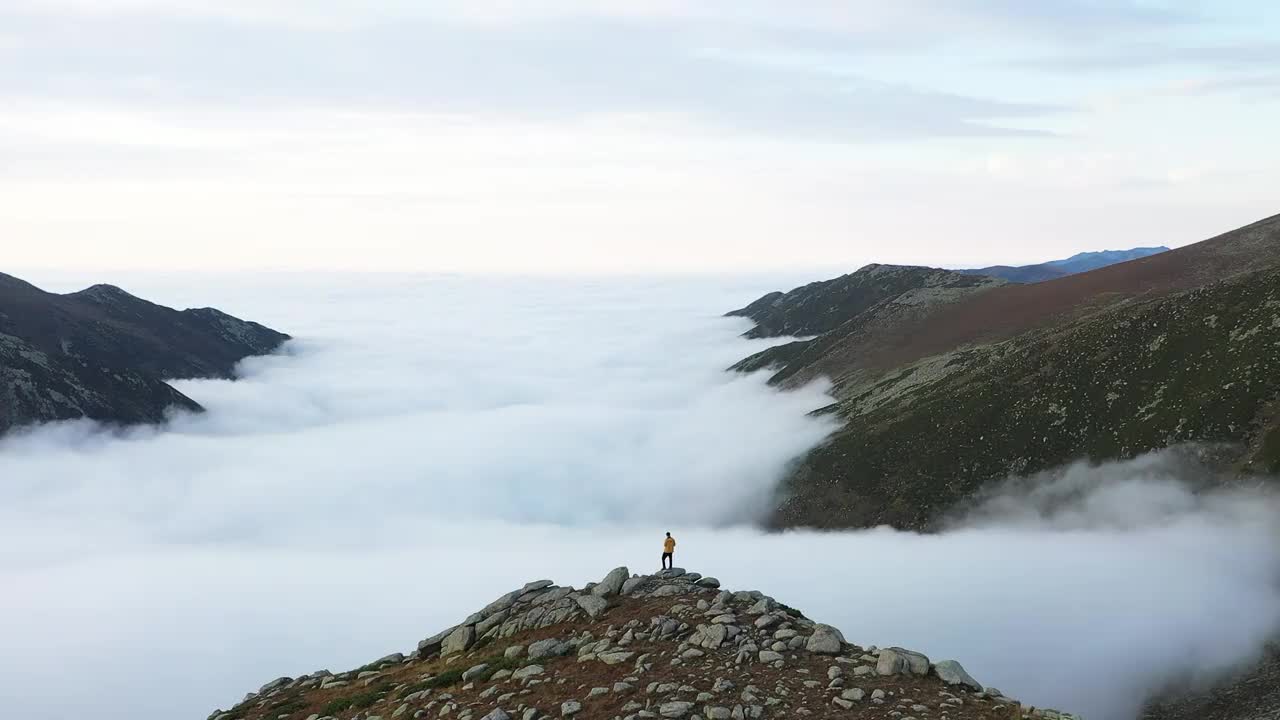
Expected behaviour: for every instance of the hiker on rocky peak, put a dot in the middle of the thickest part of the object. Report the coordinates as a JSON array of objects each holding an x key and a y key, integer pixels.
[{"x": 668, "y": 547}]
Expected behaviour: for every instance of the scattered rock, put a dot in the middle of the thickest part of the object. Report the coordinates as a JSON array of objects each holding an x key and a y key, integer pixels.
[
  {"x": 675, "y": 709},
  {"x": 896, "y": 661},
  {"x": 614, "y": 658},
  {"x": 550, "y": 647},
  {"x": 527, "y": 671}
]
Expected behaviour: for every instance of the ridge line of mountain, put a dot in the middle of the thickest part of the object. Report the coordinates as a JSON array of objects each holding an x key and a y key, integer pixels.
[
  {"x": 103, "y": 354},
  {"x": 671, "y": 645}
]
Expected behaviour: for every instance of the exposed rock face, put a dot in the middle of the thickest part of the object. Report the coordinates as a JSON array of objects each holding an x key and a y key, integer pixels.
[
  {"x": 688, "y": 652},
  {"x": 104, "y": 354}
]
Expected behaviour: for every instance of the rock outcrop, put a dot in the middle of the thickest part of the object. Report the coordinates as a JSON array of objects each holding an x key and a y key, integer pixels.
[
  {"x": 104, "y": 354},
  {"x": 662, "y": 646}
]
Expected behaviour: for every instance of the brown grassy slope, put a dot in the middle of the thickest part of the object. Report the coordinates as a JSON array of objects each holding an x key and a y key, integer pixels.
[
  {"x": 1192, "y": 367},
  {"x": 1006, "y": 311}
]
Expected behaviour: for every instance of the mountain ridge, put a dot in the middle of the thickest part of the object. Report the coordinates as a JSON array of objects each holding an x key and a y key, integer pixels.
[
  {"x": 1172, "y": 350},
  {"x": 670, "y": 645},
  {"x": 1080, "y": 262},
  {"x": 104, "y": 354}
]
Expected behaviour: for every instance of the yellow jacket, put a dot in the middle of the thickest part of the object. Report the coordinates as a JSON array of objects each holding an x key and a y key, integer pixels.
[{"x": 669, "y": 545}]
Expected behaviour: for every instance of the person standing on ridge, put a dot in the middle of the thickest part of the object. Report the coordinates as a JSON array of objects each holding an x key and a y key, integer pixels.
[{"x": 668, "y": 547}]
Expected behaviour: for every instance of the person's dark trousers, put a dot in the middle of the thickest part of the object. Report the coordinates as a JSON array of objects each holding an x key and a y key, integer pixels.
[{"x": 667, "y": 561}]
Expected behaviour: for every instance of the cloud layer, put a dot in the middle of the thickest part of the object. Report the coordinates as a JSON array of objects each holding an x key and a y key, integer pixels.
[{"x": 430, "y": 441}]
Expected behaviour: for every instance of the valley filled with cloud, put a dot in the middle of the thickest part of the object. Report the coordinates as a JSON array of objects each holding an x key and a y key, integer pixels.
[{"x": 428, "y": 442}]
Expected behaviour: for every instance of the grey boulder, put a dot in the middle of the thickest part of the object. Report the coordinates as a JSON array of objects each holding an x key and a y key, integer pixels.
[
  {"x": 612, "y": 583},
  {"x": 592, "y": 605},
  {"x": 896, "y": 661},
  {"x": 675, "y": 709},
  {"x": 431, "y": 645},
  {"x": 277, "y": 683},
  {"x": 952, "y": 673},
  {"x": 825, "y": 640},
  {"x": 460, "y": 640},
  {"x": 547, "y": 648}
]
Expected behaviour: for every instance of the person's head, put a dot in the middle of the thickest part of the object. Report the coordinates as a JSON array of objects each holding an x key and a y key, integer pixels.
[{"x": 668, "y": 534}]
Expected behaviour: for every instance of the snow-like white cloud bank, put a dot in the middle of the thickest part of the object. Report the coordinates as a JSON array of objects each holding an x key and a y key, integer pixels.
[{"x": 429, "y": 441}]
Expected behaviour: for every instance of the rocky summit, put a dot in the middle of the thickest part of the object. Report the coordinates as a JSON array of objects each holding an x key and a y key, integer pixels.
[{"x": 669, "y": 645}]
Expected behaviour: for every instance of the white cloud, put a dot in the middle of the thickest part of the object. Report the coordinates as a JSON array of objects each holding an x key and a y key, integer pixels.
[
  {"x": 430, "y": 441},
  {"x": 603, "y": 136}
]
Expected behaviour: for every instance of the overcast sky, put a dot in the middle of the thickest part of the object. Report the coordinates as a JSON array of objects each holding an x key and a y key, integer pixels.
[{"x": 580, "y": 135}]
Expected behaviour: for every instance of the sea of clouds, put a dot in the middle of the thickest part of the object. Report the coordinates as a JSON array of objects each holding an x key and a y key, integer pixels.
[{"x": 428, "y": 442}]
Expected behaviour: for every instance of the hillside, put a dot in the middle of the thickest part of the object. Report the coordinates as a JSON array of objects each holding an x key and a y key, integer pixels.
[
  {"x": 104, "y": 354},
  {"x": 1253, "y": 695},
  {"x": 1196, "y": 366},
  {"x": 824, "y": 306},
  {"x": 1078, "y": 263},
  {"x": 882, "y": 337},
  {"x": 670, "y": 645},
  {"x": 939, "y": 399}
]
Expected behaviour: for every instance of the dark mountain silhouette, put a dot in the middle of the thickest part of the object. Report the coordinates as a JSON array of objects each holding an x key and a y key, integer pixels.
[
  {"x": 104, "y": 354},
  {"x": 1078, "y": 263}
]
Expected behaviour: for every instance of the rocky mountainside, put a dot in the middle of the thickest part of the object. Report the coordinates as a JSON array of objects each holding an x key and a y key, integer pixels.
[
  {"x": 943, "y": 398},
  {"x": 940, "y": 400},
  {"x": 104, "y": 354},
  {"x": 1078, "y": 263},
  {"x": 670, "y": 645},
  {"x": 824, "y": 306},
  {"x": 1254, "y": 695}
]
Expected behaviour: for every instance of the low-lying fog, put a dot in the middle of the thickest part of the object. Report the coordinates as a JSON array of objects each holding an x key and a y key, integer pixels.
[{"x": 429, "y": 442}]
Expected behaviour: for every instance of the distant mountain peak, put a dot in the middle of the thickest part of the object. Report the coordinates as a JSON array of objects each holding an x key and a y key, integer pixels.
[
  {"x": 1078, "y": 263},
  {"x": 104, "y": 354}
]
